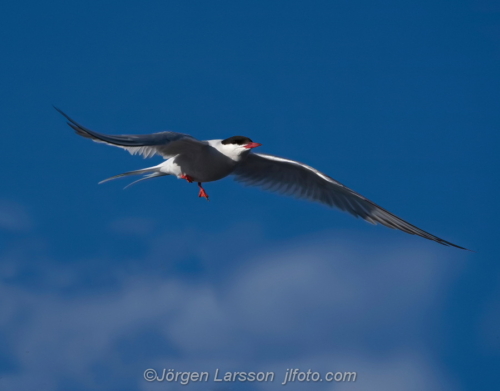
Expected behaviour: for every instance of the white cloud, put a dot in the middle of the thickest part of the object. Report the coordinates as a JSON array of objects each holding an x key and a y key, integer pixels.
[
  {"x": 489, "y": 323},
  {"x": 310, "y": 304}
]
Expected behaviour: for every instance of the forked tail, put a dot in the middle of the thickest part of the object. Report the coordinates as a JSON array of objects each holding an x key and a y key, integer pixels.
[{"x": 152, "y": 172}]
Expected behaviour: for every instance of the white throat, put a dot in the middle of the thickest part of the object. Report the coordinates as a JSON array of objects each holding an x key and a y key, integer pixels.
[{"x": 232, "y": 151}]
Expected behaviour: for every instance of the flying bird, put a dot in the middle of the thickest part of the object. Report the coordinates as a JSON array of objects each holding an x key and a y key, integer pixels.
[{"x": 210, "y": 160}]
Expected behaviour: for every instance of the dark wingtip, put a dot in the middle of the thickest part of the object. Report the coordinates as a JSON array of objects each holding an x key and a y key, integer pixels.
[
  {"x": 446, "y": 243},
  {"x": 79, "y": 129},
  {"x": 58, "y": 110},
  {"x": 63, "y": 113}
]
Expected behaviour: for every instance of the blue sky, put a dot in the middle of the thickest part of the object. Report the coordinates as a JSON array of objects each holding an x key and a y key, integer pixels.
[{"x": 397, "y": 100}]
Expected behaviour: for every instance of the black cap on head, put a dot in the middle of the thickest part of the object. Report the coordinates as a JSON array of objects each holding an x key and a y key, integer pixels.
[{"x": 238, "y": 140}]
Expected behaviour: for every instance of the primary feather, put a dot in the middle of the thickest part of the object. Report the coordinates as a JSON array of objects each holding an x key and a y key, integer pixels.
[
  {"x": 300, "y": 180},
  {"x": 166, "y": 144}
]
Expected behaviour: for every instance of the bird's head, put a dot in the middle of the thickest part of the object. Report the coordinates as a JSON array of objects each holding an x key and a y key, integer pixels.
[{"x": 237, "y": 146}]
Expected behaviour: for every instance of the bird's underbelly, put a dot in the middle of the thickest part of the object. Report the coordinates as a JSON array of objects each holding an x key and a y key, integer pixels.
[{"x": 205, "y": 168}]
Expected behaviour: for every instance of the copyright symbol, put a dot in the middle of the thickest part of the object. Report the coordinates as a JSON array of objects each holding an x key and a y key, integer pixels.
[{"x": 150, "y": 375}]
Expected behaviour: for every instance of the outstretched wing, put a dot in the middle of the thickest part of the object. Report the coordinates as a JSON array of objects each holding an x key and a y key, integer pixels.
[
  {"x": 166, "y": 144},
  {"x": 296, "y": 179}
]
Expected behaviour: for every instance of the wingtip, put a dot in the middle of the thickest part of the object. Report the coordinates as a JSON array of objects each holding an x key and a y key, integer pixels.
[
  {"x": 58, "y": 110},
  {"x": 446, "y": 243},
  {"x": 62, "y": 113}
]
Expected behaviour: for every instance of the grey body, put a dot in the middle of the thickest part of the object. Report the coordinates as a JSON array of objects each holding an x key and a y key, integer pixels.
[
  {"x": 207, "y": 165},
  {"x": 211, "y": 160}
]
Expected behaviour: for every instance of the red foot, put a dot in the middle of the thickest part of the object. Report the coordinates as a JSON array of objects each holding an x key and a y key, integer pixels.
[
  {"x": 202, "y": 192},
  {"x": 187, "y": 178}
]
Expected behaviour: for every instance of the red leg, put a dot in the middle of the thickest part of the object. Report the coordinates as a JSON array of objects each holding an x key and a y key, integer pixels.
[
  {"x": 187, "y": 178},
  {"x": 202, "y": 192}
]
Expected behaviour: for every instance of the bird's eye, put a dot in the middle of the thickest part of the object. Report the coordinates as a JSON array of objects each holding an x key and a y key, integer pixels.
[{"x": 237, "y": 140}]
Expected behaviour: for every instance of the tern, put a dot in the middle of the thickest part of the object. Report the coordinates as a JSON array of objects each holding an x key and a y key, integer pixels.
[{"x": 211, "y": 160}]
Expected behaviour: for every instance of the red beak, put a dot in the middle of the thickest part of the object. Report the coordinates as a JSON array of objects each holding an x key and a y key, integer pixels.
[{"x": 252, "y": 145}]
